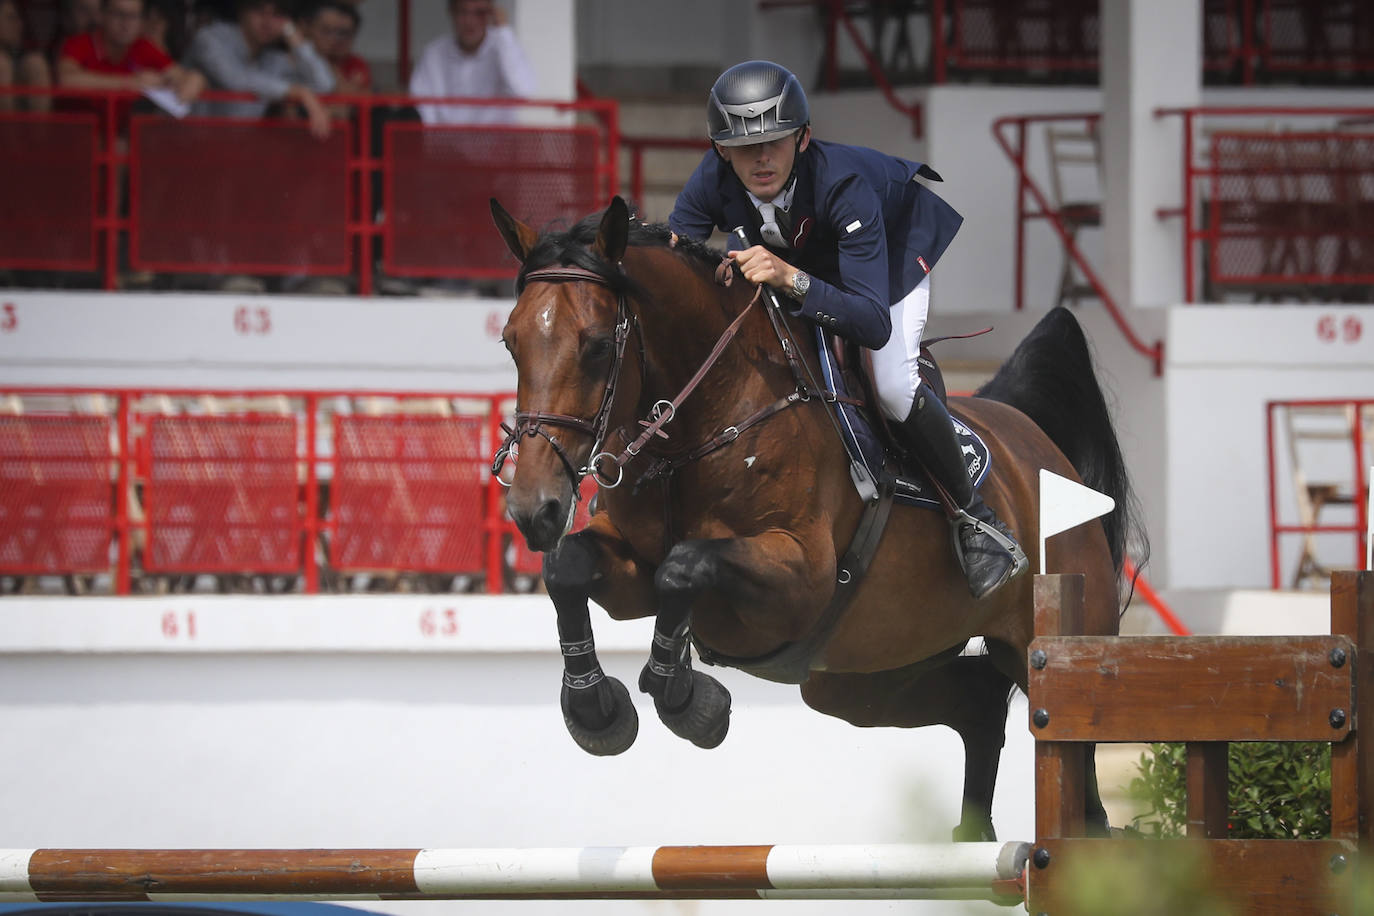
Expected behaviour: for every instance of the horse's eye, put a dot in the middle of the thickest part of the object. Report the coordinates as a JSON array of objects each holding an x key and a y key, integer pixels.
[{"x": 598, "y": 349}]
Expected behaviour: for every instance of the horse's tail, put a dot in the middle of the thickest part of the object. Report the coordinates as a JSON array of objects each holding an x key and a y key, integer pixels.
[{"x": 1050, "y": 379}]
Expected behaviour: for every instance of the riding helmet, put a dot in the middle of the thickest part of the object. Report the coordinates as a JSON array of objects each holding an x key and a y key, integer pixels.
[{"x": 755, "y": 102}]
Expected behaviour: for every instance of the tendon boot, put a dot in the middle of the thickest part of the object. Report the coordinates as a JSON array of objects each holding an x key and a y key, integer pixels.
[{"x": 985, "y": 547}]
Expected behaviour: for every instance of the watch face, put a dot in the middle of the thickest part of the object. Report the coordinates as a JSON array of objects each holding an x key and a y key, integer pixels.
[{"x": 801, "y": 283}]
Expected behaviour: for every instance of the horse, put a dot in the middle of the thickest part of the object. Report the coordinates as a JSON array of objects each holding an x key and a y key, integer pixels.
[{"x": 726, "y": 505}]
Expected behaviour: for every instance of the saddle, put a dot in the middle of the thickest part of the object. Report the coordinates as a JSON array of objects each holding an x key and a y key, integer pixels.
[{"x": 865, "y": 432}]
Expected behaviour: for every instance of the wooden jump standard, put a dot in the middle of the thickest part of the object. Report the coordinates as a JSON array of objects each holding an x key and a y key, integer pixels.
[
  {"x": 1206, "y": 691},
  {"x": 986, "y": 871}
]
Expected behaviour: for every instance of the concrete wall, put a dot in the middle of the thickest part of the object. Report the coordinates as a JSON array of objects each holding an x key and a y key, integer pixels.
[{"x": 336, "y": 722}]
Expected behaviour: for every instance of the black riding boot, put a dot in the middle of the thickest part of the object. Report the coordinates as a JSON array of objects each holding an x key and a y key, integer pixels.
[{"x": 986, "y": 548}]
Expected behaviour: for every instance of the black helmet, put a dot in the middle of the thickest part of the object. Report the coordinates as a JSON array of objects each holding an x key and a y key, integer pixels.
[{"x": 754, "y": 102}]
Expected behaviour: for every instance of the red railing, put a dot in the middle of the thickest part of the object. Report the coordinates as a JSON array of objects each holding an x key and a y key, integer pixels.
[
  {"x": 1355, "y": 416},
  {"x": 1277, "y": 211},
  {"x": 1004, "y": 36},
  {"x": 1016, "y": 151},
  {"x": 151, "y": 483},
  {"x": 266, "y": 198},
  {"x": 639, "y": 146},
  {"x": 1051, "y": 40},
  {"x": 837, "y": 15}
]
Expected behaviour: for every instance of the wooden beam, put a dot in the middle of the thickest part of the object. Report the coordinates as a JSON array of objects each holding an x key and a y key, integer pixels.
[{"x": 1192, "y": 688}]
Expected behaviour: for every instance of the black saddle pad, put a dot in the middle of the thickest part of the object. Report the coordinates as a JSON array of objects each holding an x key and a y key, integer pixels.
[{"x": 865, "y": 446}]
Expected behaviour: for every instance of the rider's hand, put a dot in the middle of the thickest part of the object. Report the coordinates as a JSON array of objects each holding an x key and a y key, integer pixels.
[{"x": 759, "y": 265}]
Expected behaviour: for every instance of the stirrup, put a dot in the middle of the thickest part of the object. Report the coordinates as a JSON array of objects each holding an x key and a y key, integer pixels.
[{"x": 1019, "y": 562}]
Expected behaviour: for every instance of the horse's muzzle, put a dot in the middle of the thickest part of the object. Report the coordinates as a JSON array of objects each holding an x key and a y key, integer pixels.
[{"x": 543, "y": 521}]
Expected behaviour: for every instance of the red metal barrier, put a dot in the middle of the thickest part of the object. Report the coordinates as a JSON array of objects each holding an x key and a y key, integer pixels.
[
  {"x": 1290, "y": 208},
  {"x": 55, "y": 506},
  {"x": 1276, "y": 210},
  {"x": 408, "y": 493},
  {"x": 440, "y": 180},
  {"x": 49, "y": 185},
  {"x": 222, "y": 495},
  {"x": 170, "y": 482},
  {"x": 264, "y": 197}
]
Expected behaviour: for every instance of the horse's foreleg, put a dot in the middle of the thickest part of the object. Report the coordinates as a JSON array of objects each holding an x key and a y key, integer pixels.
[
  {"x": 693, "y": 705},
  {"x": 745, "y": 581},
  {"x": 596, "y": 707}
]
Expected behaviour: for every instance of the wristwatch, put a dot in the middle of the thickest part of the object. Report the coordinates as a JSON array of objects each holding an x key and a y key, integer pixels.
[{"x": 801, "y": 285}]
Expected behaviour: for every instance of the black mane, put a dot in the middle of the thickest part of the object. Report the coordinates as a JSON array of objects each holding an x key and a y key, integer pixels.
[{"x": 574, "y": 247}]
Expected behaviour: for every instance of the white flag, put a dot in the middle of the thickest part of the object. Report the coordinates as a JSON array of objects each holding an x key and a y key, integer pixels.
[{"x": 1066, "y": 504}]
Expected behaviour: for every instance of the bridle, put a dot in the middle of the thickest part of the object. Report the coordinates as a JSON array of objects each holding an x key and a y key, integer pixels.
[
  {"x": 532, "y": 423},
  {"x": 529, "y": 424}
]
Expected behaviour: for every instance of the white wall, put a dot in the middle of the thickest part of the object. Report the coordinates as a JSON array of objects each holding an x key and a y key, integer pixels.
[
  {"x": 212, "y": 340},
  {"x": 334, "y": 722},
  {"x": 1224, "y": 363}
]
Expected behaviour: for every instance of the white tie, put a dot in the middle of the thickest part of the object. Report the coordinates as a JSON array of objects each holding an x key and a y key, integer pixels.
[{"x": 771, "y": 233}]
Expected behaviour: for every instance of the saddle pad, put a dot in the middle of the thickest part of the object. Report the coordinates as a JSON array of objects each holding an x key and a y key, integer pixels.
[{"x": 912, "y": 484}]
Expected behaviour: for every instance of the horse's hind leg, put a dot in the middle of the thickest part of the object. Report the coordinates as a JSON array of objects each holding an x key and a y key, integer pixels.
[
  {"x": 597, "y": 709},
  {"x": 968, "y": 693}
]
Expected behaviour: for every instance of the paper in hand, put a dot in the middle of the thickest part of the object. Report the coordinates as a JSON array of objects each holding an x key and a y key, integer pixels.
[{"x": 168, "y": 101}]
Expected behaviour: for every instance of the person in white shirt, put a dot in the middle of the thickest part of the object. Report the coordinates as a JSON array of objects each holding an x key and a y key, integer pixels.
[{"x": 481, "y": 59}]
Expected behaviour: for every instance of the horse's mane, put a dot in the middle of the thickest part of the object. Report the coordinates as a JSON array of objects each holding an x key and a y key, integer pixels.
[{"x": 574, "y": 247}]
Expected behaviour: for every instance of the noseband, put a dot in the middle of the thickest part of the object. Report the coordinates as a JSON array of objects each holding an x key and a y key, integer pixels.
[{"x": 531, "y": 423}]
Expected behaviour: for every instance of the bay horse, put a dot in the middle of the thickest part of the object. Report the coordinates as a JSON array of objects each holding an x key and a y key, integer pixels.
[{"x": 735, "y": 505}]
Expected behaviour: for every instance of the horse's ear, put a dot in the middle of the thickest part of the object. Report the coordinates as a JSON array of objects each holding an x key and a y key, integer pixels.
[
  {"x": 614, "y": 233},
  {"x": 519, "y": 237}
]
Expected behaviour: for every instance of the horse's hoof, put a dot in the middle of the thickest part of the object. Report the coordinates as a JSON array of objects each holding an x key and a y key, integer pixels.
[
  {"x": 977, "y": 831},
  {"x": 617, "y": 736},
  {"x": 705, "y": 719}
]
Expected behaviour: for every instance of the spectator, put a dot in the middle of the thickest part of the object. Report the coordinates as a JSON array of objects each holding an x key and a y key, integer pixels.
[
  {"x": 244, "y": 56},
  {"x": 164, "y": 24},
  {"x": 19, "y": 67},
  {"x": 117, "y": 56},
  {"x": 481, "y": 59},
  {"x": 331, "y": 26},
  {"x": 78, "y": 18}
]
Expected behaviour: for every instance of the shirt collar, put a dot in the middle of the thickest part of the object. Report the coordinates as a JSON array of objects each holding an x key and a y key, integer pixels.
[{"x": 784, "y": 199}]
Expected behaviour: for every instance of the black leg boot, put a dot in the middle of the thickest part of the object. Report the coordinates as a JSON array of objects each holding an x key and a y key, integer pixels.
[{"x": 985, "y": 547}]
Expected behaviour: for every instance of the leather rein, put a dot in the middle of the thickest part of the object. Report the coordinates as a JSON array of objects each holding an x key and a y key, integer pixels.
[{"x": 607, "y": 468}]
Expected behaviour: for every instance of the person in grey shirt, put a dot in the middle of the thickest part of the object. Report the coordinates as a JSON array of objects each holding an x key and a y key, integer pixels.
[{"x": 244, "y": 56}]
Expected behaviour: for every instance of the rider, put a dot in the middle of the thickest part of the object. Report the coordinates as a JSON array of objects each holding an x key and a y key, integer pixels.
[{"x": 850, "y": 236}]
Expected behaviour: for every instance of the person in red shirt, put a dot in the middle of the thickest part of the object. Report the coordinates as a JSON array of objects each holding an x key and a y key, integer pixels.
[{"x": 117, "y": 56}]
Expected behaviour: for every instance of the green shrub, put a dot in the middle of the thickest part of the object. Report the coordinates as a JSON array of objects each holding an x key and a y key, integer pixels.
[{"x": 1277, "y": 791}]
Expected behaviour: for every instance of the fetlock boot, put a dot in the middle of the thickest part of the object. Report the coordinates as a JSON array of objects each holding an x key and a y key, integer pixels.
[{"x": 985, "y": 547}]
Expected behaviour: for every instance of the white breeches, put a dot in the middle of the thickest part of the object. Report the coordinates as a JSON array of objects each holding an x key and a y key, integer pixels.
[{"x": 897, "y": 367}]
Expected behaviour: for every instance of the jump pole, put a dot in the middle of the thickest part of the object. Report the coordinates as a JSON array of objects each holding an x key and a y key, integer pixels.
[{"x": 973, "y": 871}]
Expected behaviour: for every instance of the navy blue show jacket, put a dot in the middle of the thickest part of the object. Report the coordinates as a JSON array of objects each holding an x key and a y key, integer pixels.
[{"x": 861, "y": 225}]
